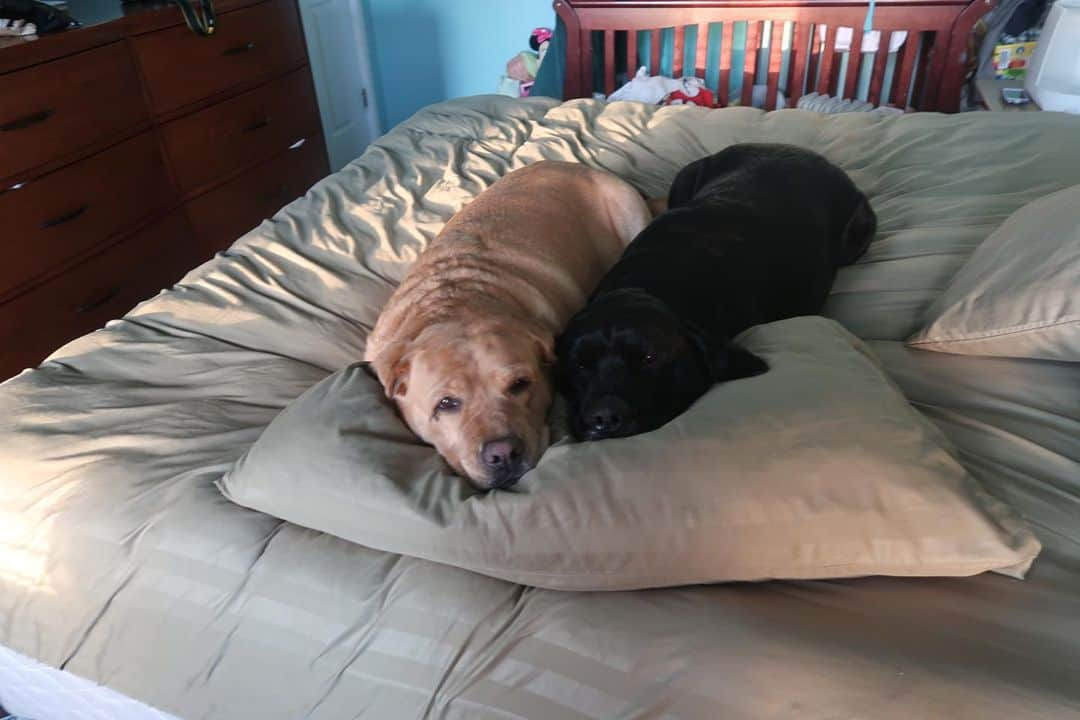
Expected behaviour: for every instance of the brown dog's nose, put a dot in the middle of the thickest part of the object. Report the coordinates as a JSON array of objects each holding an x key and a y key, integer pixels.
[{"x": 503, "y": 459}]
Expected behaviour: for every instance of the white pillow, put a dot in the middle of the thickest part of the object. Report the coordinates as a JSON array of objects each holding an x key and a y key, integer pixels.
[{"x": 1019, "y": 293}]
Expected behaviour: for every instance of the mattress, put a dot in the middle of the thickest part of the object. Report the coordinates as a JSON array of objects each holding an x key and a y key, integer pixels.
[
  {"x": 121, "y": 563},
  {"x": 35, "y": 691}
]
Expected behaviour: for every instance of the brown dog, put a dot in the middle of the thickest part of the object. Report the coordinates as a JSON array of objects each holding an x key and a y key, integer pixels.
[{"x": 464, "y": 344}]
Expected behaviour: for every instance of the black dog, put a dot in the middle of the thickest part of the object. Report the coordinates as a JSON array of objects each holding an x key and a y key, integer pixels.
[{"x": 752, "y": 234}]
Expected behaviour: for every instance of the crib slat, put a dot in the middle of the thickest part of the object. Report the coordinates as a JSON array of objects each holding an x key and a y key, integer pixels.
[
  {"x": 878, "y": 77},
  {"x": 725, "y": 61},
  {"x": 654, "y": 51},
  {"x": 609, "y": 62},
  {"x": 572, "y": 85},
  {"x": 586, "y": 67},
  {"x": 678, "y": 51},
  {"x": 854, "y": 64},
  {"x": 701, "y": 50},
  {"x": 753, "y": 39},
  {"x": 775, "y": 58},
  {"x": 928, "y": 80},
  {"x": 904, "y": 69},
  {"x": 813, "y": 59},
  {"x": 631, "y": 53},
  {"x": 800, "y": 46},
  {"x": 826, "y": 57}
]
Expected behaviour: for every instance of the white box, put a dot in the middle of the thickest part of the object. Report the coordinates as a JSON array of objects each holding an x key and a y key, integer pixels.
[{"x": 1053, "y": 75}]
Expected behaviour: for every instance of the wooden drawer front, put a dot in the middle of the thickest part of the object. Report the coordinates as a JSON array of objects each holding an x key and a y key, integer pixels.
[
  {"x": 65, "y": 213},
  {"x": 50, "y": 110},
  {"x": 256, "y": 125},
  {"x": 181, "y": 67},
  {"x": 224, "y": 214},
  {"x": 104, "y": 287}
]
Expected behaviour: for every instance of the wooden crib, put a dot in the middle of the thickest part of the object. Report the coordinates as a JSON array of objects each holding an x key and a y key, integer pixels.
[{"x": 799, "y": 38}]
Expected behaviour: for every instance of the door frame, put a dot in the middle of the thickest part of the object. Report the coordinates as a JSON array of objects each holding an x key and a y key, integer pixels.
[{"x": 360, "y": 37}]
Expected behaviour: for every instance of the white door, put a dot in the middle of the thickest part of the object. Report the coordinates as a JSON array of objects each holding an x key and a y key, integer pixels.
[{"x": 338, "y": 50}]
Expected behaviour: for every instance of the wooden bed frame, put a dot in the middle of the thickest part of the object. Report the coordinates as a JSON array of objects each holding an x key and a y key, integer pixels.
[{"x": 928, "y": 71}]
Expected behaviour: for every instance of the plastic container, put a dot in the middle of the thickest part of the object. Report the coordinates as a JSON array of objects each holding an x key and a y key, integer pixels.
[{"x": 1053, "y": 76}]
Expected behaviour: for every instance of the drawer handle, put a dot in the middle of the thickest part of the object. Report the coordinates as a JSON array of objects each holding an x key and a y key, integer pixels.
[
  {"x": 240, "y": 49},
  {"x": 66, "y": 217},
  {"x": 98, "y": 301},
  {"x": 27, "y": 120},
  {"x": 258, "y": 125}
]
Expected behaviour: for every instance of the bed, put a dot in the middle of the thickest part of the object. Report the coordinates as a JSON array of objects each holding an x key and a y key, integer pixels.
[{"x": 130, "y": 587}]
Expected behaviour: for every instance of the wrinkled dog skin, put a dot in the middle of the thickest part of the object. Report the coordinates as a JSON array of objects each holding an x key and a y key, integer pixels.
[
  {"x": 752, "y": 234},
  {"x": 464, "y": 346}
]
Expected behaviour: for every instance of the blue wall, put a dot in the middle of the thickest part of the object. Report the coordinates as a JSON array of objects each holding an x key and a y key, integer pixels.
[{"x": 425, "y": 51}]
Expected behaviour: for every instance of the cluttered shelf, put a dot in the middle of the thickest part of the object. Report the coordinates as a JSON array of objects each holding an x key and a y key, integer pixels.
[{"x": 96, "y": 22}]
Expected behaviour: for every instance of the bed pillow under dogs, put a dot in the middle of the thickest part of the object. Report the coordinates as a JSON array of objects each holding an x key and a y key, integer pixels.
[{"x": 817, "y": 469}]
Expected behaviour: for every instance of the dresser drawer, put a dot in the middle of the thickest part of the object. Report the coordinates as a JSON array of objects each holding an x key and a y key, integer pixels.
[
  {"x": 250, "y": 127},
  {"x": 60, "y": 215},
  {"x": 256, "y": 42},
  {"x": 224, "y": 214},
  {"x": 50, "y": 110},
  {"x": 104, "y": 287}
]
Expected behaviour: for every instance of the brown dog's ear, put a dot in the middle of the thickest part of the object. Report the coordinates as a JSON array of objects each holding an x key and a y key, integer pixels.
[
  {"x": 392, "y": 369},
  {"x": 545, "y": 341},
  {"x": 398, "y": 384}
]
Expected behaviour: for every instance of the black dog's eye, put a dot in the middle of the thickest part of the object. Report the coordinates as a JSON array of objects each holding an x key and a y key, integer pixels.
[
  {"x": 519, "y": 386},
  {"x": 587, "y": 356},
  {"x": 447, "y": 404},
  {"x": 648, "y": 358}
]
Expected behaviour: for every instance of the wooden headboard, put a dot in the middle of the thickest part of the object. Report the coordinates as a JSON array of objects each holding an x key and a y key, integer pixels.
[{"x": 926, "y": 72}]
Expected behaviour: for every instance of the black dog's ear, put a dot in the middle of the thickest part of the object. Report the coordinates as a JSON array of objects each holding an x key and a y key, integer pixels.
[
  {"x": 689, "y": 181},
  {"x": 724, "y": 359},
  {"x": 739, "y": 363},
  {"x": 858, "y": 233}
]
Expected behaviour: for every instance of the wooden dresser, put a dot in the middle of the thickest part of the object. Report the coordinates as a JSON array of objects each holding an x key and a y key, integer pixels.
[{"x": 132, "y": 149}]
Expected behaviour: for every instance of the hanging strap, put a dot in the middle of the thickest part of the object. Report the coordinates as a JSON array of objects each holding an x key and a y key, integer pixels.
[
  {"x": 868, "y": 24},
  {"x": 200, "y": 24}
]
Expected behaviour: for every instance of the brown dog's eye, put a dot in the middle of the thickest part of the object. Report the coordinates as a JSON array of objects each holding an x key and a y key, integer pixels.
[
  {"x": 519, "y": 386},
  {"x": 447, "y": 404}
]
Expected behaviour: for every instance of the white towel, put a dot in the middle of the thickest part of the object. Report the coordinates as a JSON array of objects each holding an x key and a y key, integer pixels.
[{"x": 870, "y": 40}]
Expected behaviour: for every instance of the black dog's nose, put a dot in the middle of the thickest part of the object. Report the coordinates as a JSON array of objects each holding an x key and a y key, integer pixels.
[
  {"x": 607, "y": 415},
  {"x": 503, "y": 458}
]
